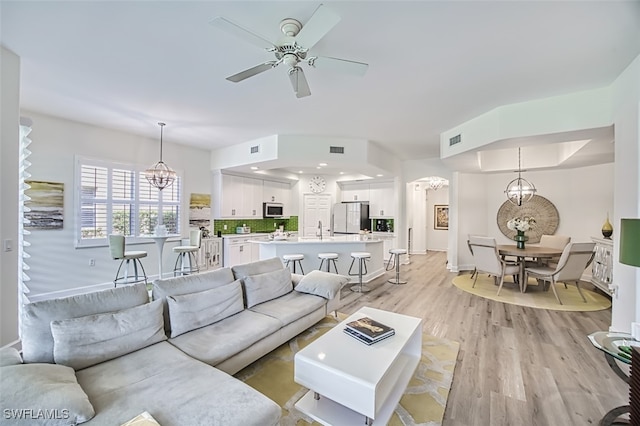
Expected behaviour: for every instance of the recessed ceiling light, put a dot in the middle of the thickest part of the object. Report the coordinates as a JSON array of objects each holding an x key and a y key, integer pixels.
[
  {"x": 323, "y": 164},
  {"x": 318, "y": 167},
  {"x": 300, "y": 171},
  {"x": 341, "y": 173},
  {"x": 254, "y": 168},
  {"x": 379, "y": 175}
]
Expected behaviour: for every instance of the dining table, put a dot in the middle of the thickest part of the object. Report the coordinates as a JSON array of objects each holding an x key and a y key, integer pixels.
[{"x": 528, "y": 252}]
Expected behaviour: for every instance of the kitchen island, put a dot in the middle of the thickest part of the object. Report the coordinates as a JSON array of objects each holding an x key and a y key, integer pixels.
[{"x": 344, "y": 245}]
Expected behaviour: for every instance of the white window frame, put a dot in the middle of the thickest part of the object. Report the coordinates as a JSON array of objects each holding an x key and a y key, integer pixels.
[{"x": 136, "y": 202}]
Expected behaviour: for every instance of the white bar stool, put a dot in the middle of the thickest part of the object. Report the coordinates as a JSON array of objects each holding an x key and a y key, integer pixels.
[
  {"x": 395, "y": 254},
  {"x": 186, "y": 262},
  {"x": 295, "y": 258},
  {"x": 127, "y": 258},
  {"x": 329, "y": 257},
  {"x": 362, "y": 257}
]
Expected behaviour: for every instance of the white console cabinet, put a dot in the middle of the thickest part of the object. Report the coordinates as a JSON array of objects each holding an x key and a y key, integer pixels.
[{"x": 602, "y": 265}]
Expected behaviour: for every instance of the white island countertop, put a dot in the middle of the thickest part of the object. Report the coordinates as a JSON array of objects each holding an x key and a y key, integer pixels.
[{"x": 335, "y": 239}]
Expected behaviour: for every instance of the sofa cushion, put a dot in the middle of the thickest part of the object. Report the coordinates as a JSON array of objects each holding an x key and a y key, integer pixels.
[
  {"x": 9, "y": 356},
  {"x": 174, "y": 388},
  {"x": 85, "y": 341},
  {"x": 217, "y": 342},
  {"x": 262, "y": 287},
  {"x": 321, "y": 284},
  {"x": 193, "y": 283},
  {"x": 43, "y": 394},
  {"x": 190, "y": 311},
  {"x": 37, "y": 341},
  {"x": 255, "y": 268},
  {"x": 290, "y": 307}
]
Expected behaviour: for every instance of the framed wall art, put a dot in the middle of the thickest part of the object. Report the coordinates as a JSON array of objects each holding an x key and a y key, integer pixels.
[{"x": 441, "y": 216}]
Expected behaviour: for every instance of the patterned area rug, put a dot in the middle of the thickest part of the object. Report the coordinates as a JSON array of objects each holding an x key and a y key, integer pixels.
[
  {"x": 535, "y": 297},
  {"x": 423, "y": 403}
]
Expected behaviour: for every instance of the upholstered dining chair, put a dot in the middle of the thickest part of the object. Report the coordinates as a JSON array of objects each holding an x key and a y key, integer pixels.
[
  {"x": 488, "y": 260},
  {"x": 575, "y": 258},
  {"x": 187, "y": 262},
  {"x": 554, "y": 241},
  {"x": 128, "y": 259}
]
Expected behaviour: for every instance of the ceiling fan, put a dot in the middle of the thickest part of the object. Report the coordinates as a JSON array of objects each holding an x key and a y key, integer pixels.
[{"x": 292, "y": 49}]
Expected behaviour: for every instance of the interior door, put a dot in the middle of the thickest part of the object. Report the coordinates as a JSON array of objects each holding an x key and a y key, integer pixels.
[{"x": 317, "y": 208}]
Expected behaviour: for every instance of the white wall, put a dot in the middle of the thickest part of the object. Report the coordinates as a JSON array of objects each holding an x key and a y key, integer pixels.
[
  {"x": 57, "y": 267},
  {"x": 626, "y": 106},
  {"x": 582, "y": 196},
  {"x": 9, "y": 150},
  {"x": 421, "y": 202}
]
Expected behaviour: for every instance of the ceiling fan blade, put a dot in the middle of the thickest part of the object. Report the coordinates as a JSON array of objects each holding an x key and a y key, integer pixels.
[
  {"x": 242, "y": 33},
  {"x": 299, "y": 82},
  {"x": 320, "y": 23},
  {"x": 242, "y": 75},
  {"x": 339, "y": 65}
]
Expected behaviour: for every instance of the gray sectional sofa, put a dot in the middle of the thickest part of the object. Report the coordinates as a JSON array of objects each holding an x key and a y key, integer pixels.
[{"x": 103, "y": 358}]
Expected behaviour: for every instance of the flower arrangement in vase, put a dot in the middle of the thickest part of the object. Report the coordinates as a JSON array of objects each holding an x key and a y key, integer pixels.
[{"x": 521, "y": 225}]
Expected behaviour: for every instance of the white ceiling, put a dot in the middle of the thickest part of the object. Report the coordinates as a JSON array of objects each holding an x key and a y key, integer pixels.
[{"x": 432, "y": 65}]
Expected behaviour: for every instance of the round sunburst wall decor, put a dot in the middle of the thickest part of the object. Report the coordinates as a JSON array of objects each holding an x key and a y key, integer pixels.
[{"x": 541, "y": 209}]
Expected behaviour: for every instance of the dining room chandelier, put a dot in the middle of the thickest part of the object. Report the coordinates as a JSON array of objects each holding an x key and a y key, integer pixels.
[
  {"x": 160, "y": 175},
  {"x": 520, "y": 190}
]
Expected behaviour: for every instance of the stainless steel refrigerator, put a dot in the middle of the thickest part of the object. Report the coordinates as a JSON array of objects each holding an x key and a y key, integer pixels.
[{"x": 350, "y": 218}]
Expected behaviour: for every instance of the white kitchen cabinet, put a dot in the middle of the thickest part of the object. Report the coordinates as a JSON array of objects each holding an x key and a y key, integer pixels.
[
  {"x": 277, "y": 192},
  {"x": 355, "y": 191},
  {"x": 239, "y": 197},
  {"x": 251, "y": 198},
  {"x": 381, "y": 200},
  {"x": 236, "y": 250},
  {"x": 230, "y": 191},
  {"x": 236, "y": 197}
]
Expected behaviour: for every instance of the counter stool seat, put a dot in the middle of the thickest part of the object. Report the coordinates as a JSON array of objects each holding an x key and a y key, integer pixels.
[
  {"x": 329, "y": 257},
  {"x": 395, "y": 255},
  {"x": 362, "y": 257},
  {"x": 296, "y": 259}
]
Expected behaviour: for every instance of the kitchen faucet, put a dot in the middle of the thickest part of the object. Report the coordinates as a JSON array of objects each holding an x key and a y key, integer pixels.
[{"x": 320, "y": 229}]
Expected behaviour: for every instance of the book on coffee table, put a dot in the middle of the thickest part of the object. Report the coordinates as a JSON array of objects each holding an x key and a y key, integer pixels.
[
  {"x": 370, "y": 328},
  {"x": 364, "y": 339}
]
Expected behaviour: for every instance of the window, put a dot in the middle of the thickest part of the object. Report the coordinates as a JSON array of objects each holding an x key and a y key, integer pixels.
[{"x": 117, "y": 199}]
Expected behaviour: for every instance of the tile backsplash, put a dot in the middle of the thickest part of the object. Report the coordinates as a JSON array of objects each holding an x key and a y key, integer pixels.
[{"x": 256, "y": 225}]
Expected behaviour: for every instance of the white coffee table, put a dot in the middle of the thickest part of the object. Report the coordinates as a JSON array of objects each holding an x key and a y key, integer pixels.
[{"x": 351, "y": 383}]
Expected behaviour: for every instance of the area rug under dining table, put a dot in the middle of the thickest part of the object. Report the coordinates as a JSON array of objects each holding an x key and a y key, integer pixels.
[
  {"x": 535, "y": 296},
  {"x": 423, "y": 402}
]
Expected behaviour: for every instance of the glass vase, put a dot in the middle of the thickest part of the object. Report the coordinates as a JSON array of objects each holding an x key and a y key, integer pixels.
[{"x": 520, "y": 239}]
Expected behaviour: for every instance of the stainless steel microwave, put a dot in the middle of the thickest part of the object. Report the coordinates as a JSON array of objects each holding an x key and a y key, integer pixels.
[{"x": 272, "y": 210}]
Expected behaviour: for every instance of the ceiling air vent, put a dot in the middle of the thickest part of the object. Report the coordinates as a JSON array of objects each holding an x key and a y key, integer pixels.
[
  {"x": 255, "y": 149},
  {"x": 454, "y": 140},
  {"x": 336, "y": 149}
]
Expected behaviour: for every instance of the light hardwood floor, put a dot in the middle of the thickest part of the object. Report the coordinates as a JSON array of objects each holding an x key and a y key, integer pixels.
[{"x": 516, "y": 366}]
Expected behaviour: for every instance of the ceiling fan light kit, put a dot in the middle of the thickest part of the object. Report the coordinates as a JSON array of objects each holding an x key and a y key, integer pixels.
[{"x": 292, "y": 48}]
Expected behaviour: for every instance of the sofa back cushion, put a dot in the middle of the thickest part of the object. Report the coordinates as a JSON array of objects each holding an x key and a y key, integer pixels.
[
  {"x": 255, "y": 268},
  {"x": 262, "y": 287},
  {"x": 187, "y": 284},
  {"x": 195, "y": 310},
  {"x": 37, "y": 340},
  {"x": 82, "y": 342}
]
